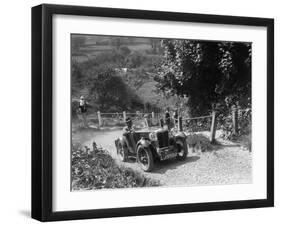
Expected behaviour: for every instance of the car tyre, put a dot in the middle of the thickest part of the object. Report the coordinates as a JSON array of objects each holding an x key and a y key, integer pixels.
[
  {"x": 145, "y": 158},
  {"x": 182, "y": 149}
]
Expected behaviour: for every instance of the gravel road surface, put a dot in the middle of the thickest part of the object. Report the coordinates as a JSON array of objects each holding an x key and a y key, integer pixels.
[{"x": 228, "y": 163}]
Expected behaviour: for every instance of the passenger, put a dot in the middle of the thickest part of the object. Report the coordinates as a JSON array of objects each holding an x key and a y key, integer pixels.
[
  {"x": 176, "y": 116},
  {"x": 167, "y": 118}
]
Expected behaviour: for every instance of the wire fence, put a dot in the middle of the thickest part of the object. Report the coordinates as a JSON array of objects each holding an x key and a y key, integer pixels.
[{"x": 197, "y": 124}]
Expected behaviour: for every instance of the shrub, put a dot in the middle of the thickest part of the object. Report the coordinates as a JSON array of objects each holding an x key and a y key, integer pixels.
[
  {"x": 97, "y": 169},
  {"x": 196, "y": 125},
  {"x": 199, "y": 141},
  {"x": 244, "y": 125}
]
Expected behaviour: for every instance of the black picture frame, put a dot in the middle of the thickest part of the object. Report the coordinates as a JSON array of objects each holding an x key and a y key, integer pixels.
[{"x": 42, "y": 111}]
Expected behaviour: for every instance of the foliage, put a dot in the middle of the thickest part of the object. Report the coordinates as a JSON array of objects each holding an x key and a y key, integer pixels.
[
  {"x": 135, "y": 60},
  {"x": 74, "y": 110},
  {"x": 196, "y": 125},
  {"x": 77, "y": 76},
  {"x": 131, "y": 67},
  {"x": 246, "y": 142},
  {"x": 206, "y": 72},
  {"x": 108, "y": 89},
  {"x": 125, "y": 51},
  {"x": 139, "y": 59},
  {"x": 96, "y": 170},
  {"x": 244, "y": 126},
  {"x": 199, "y": 141},
  {"x": 115, "y": 58}
]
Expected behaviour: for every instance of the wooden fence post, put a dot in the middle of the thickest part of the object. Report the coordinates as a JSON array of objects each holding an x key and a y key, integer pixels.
[
  {"x": 213, "y": 127},
  {"x": 99, "y": 119},
  {"x": 161, "y": 122},
  {"x": 234, "y": 120},
  {"x": 146, "y": 122},
  {"x": 124, "y": 116},
  {"x": 180, "y": 124}
]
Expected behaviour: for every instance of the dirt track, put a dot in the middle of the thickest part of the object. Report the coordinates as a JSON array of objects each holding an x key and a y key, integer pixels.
[{"x": 226, "y": 164}]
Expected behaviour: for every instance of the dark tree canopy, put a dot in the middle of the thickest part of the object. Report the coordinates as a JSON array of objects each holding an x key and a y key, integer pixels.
[
  {"x": 206, "y": 72},
  {"x": 108, "y": 89}
]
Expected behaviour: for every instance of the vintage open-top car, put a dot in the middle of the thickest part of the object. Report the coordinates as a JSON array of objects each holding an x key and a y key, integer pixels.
[{"x": 150, "y": 146}]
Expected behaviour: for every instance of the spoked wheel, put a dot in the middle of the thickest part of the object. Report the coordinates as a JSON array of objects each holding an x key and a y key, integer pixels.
[
  {"x": 145, "y": 158},
  {"x": 122, "y": 152},
  {"x": 182, "y": 149}
]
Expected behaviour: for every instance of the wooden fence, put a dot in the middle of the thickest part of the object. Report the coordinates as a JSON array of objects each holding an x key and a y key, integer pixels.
[
  {"x": 210, "y": 122},
  {"x": 195, "y": 124},
  {"x": 237, "y": 114},
  {"x": 107, "y": 119}
]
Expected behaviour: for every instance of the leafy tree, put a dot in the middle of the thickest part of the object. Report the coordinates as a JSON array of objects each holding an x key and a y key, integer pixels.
[
  {"x": 125, "y": 51},
  {"x": 108, "y": 89},
  {"x": 135, "y": 59},
  {"x": 76, "y": 76},
  {"x": 206, "y": 72}
]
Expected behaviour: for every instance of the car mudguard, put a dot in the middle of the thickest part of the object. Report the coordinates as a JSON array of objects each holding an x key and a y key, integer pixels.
[
  {"x": 144, "y": 142},
  {"x": 180, "y": 135},
  {"x": 181, "y": 139}
]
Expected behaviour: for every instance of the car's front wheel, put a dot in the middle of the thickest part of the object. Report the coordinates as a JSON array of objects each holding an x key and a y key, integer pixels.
[
  {"x": 145, "y": 158},
  {"x": 182, "y": 149}
]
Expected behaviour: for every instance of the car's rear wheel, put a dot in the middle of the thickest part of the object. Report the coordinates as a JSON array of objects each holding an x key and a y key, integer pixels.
[
  {"x": 145, "y": 158},
  {"x": 182, "y": 149},
  {"x": 122, "y": 152}
]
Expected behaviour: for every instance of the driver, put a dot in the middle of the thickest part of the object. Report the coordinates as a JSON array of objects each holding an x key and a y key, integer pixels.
[
  {"x": 129, "y": 126},
  {"x": 128, "y": 134}
]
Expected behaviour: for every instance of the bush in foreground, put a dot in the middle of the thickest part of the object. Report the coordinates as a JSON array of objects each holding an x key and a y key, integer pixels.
[{"x": 97, "y": 169}]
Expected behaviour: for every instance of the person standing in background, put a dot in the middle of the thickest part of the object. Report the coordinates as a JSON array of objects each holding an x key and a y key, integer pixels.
[{"x": 83, "y": 110}]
